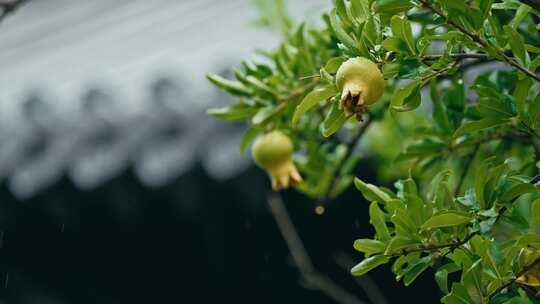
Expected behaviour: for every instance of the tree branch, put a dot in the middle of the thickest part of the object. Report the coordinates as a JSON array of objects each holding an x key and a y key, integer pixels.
[
  {"x": 530, "y": 130},
  {"x": 481, "y": 42},
  {"x": 300, "y": 91},
  {"x": 535, "y": 179},
  {"x": 301, "y": 258},
  {"x": 510, "y": 282},
  {"x": 451, "y": 246},
  {"x": 458, "y": 56}
]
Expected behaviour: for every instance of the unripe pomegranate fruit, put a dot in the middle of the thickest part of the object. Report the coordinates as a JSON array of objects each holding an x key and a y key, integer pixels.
[
  {"x": 361, "y": 83},
  {"x": 273, "y": 152}
]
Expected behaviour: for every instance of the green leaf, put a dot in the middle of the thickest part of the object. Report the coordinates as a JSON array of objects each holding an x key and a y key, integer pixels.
[
  {"x": 477, "y": 125},
  {"x": 264, "y": 114},
  {"x": 417, "y": 268},
  {"x": 368, "y": 264},
  {"x": 532, "y": 240},
  {"x": 485, "y": 7},
  {"x": 395, "y": 44},
  {"x": 404, "y": 226},
  {"x": 461, "y": 257},
  {"x": 535, "y": 209},
  {"x": 521, "y": 13},
  {"x": 312, "y": 99},
  {"x": 248, "y": 137},
  {"x": 469, "y": 17},
  {"x": 517, "y": 45},
  {"x": 234, "y": 112},
  {"x": 440, "y": 114},
  {"x": 534, "y": 112},
  {"x": 473, "y": 277},
  {"x": 410, "y": 102},
  {"x": 458, "y": 5},
  {"x": 447, "y": 219},
  {"x": 341, "y": 34},
  {"x": 360, "y": 9},
  {"x": 398, "y": 99},
  {"x": 521, "y": 92},
  {"x": 495, "y": 108},
  {"x": 273, "y": 14},
  {"x": 410, "y": 187},
  {"x": 518, "y": 190},
  {"x": 497, "y": 31},
  {"x": 230, "y": 86},
  {"x": 261, "y": 86},
  {"x": 378, "y": 220},
  {"x": 371, "y": 192},
  {"x": 441, "y": 277},
  {"x": 398, "y": 242},
  {"x": 459, "y": 295},
  {"x": 401, "y": 28},
  {"x": 369, "y": 246},
  {"x": 333, "y": 64},
  {"x": 341, "y": 9},
  {"x": 480, "y": 180},
  {"x": 333, "y": 120},
  {"x": 392, "y": 6},
  {"x": 331, "y": 80},
  {"x": 532, "y": 49}
]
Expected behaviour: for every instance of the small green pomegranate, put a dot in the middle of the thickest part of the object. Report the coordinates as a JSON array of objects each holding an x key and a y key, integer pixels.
[
  {"x": 273, "y": 152},
  {"x": 361, "y": 84}
]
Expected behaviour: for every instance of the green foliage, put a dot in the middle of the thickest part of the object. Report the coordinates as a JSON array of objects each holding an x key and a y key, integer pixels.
[{"x": 468, "y": 146}]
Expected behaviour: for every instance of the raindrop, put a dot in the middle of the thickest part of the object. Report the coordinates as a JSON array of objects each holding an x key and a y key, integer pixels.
[
  {"x": 62, "y": 228},
  {"x": 7, "y": 280}
]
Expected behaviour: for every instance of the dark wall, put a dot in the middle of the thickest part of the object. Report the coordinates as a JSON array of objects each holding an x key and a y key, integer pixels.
[{"x": 195, "y": 239}]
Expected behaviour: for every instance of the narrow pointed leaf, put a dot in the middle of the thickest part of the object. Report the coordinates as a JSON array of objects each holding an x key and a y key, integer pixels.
[
  {"x": 447, "y": 219},
  {"x": 368, "y": 264},
  {"x": 312, "y": 99}
]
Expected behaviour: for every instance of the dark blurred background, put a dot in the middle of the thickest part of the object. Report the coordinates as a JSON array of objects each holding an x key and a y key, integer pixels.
[{"x": 117, "y": 188}]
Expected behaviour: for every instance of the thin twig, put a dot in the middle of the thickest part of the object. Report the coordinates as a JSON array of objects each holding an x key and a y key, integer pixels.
[
  {"x": 300, "y": 91},
  {"x": 511, "y": 281},
  {"x": 368, "y": 285},
  {"x": 440, "y": 72},
  {"x": 451, "y": 246},
  {"x": 462, "y": 56},
  {"x": 9, "y": 6},
  {"x": 301, "y": 258},
  {"x": 530, "y": 130},
  {"x": 481, "y": 42},
  {"x": 522, "y": 138},
  {"x": 457, "y": 56},
  {"x": 466, "y": 167},
  {"x": 503, "y": 210},
  {"x": 535, "y": 179},
  {"x": 351, "y": 146}
]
